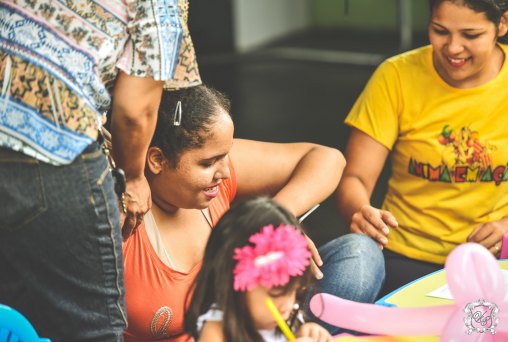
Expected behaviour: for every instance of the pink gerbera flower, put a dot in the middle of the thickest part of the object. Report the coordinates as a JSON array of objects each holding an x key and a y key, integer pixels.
[{"x": 275, "y": 257}]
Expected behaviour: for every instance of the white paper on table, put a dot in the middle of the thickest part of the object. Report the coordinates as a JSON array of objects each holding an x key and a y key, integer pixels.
[{"x": 444, "y": 291}]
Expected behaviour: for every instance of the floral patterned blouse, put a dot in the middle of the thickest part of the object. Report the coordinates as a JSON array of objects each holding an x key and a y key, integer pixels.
[{"x": 59, "y": 59}]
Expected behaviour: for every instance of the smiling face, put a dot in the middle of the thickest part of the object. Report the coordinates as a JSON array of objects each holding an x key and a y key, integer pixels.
[
  {"x": 465, "y": 53},
  {"x": 193, "y": 181}
]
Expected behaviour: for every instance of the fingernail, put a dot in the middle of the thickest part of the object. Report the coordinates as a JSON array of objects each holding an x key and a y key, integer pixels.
[
  {"x": 319, "y": 275},
  {"x": 386, "y": 230},
  {"x": 320, "y": 263},
  {"x": 383, "y": 240}
]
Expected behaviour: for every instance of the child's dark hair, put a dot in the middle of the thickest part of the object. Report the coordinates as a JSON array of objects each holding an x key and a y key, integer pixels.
[
  {"x": 493, "y": 9},
  {"x": 200, "y": 107},
  {"x": 214, "y": 283}
]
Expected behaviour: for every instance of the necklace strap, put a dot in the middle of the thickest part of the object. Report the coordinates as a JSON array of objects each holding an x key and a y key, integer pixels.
[
  {"x": 208, "y": 217},
  {"x": 156, "y": 240}
]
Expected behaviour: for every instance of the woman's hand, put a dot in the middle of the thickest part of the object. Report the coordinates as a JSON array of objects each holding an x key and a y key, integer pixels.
[
  {"x": 316, "y": 261},
  {"x": 490, "y": 235},
  {"x": 373, "y": 222},
  {"x": 137, "y": 200},
  {"x": 313, "y": 332}
]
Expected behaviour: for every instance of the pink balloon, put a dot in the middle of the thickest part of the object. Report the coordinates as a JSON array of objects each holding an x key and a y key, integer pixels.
[
  {"x": 377, "y": 319},
  {"x": 456, "y": 331},
  {"x": 473, "y": 273},
  {"x": 475, "y": 281}
]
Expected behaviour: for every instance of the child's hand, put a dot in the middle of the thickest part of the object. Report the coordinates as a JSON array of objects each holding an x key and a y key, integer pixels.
[{"x": 313, "y": 332}]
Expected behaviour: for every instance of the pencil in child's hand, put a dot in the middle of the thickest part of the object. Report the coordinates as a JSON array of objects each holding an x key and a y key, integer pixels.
[{"x": 280, "y": 321}]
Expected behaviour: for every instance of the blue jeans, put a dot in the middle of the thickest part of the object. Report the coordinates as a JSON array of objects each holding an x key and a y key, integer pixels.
[
  {"x": 60, "y": 246},
  {"x": 353, "y": 269}
]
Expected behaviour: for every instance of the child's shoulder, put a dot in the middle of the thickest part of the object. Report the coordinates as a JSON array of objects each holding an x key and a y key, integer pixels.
[
  {"x": 210, "y": 320},
  {"x": 212, "y": 331}
]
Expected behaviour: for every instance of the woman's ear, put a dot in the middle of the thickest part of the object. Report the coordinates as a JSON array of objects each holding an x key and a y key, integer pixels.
[
  {"x": 503, "y": 25},
  {"x": 155, "y": 160}
]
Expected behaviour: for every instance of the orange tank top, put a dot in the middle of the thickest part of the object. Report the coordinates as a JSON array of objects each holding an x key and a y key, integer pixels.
[{"x": 155, "y": 293}]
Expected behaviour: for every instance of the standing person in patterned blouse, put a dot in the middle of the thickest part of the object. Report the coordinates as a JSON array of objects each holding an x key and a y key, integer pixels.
[{"x": 61, "y": 62}]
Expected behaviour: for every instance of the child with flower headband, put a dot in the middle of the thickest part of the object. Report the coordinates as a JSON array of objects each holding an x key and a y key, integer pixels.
[{"x": 257, "y": 251}]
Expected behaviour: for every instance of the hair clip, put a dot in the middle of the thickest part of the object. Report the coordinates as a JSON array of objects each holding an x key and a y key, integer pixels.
[{"x": 178, "y": 114}]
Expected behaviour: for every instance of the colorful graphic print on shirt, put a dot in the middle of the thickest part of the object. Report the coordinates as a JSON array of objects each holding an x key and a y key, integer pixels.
[{"x": 465, "y": 158}]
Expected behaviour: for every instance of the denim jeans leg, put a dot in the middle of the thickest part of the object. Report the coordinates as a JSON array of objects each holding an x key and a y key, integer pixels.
[
  {"x": 353, "y": 269},
  {"x": 61, "y": 248}
]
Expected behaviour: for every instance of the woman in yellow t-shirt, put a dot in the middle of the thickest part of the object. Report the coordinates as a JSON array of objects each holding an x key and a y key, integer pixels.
[{"x": 439, "y": 111}]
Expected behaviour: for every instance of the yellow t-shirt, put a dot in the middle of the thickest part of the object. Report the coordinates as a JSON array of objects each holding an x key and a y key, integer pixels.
[{"x": 449, "y": 152}]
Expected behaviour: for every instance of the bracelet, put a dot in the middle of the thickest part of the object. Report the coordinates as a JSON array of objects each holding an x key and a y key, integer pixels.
[{"x": 122, "y": 202}]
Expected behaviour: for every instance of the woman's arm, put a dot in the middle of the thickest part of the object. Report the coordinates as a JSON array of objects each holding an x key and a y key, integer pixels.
[
  {"x": 366, "y": 158},
  {"x": 135, "y": 104},
  {"x": 297, "y": 175}
]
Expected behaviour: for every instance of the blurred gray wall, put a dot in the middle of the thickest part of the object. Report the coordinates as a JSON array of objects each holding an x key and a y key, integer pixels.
[{"x": 257, "y": 22}]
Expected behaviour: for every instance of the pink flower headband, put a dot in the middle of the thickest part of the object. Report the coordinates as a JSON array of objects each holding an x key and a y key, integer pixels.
[{"x": 277, "y": 255}]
